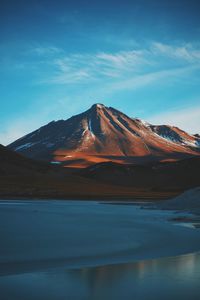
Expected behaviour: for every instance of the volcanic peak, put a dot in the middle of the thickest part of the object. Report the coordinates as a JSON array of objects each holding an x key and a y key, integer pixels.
[
  {"x": 103, "y": 134},
  {"x": 97, "y": 106}
]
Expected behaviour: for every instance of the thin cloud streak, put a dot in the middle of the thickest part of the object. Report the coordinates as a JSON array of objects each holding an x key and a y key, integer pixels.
[
  {"x": 184, "y": 52},
  {"x": 87, "y": 68},
  {"x": 78, "y": 67},
  {"x": 52, "y": 65},
  {"x": 140, "y": 81}
]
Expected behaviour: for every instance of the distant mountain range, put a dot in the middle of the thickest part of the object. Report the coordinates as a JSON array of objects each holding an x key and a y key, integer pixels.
[{"x": 103, "y": 134}]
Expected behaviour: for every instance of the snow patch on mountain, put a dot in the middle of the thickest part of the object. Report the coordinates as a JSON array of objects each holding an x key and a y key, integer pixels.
[
  {"x": 85, "y": 130},
  {"x": 169, "y": 138},
  {"x": 146, "y": 124},
  {"x": 99, "y": 105},
  {"x": 90, "y": 127},
  {"x": 190, "y": 143}
]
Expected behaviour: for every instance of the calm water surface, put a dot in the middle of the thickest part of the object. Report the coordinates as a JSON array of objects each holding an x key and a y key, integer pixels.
[
  {"x": 37, "y": 240},
  {"x": 167, "y": 278}
]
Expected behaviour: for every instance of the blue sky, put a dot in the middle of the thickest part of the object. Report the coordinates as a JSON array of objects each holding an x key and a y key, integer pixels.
[{"x": 59, "y": 57}]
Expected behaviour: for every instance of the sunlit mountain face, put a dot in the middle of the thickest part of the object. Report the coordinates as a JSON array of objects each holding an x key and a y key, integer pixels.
[{"x": 103, "y": 134}]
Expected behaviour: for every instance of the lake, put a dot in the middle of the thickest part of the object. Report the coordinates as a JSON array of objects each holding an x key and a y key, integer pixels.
[{"x": 87, "y": 250}]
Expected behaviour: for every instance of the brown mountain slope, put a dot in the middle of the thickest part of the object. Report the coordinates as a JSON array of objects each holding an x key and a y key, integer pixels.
[
  {"x": 103, "y": 134},
  {"x": 21, "y": 178},
  {"x": 170, "y": 176}
]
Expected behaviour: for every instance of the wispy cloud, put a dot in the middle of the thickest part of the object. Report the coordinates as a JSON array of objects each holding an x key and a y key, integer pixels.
[
  {"x": 54, "y": 65},
  {"x": 139, "y": 81},
  {"x": 124, "y": 60},
  {"x": 183, "y": 52},
  {"x": 185, "y": 118},
  {"x": 88, "y": 67},
  {"x": 157, "y": 58}
]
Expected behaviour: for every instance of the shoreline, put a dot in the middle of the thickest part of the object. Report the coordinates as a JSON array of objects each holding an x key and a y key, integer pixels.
[{"x": 115, "y": 198}]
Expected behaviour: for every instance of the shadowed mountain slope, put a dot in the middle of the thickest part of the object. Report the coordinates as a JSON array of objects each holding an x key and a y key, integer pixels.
[
  {"x": 21, "y": 177},
  {"x": 175, "y": 176},
  {"x": 24, "y": 178}
]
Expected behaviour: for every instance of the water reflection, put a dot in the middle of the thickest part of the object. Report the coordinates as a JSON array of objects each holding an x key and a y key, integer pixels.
[{"x": 167, "y": 278}]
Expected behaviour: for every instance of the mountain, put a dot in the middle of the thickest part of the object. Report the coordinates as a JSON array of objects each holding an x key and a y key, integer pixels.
[
  {"x": 21, "y": 177},
  {"x": 103, "y": 134}
]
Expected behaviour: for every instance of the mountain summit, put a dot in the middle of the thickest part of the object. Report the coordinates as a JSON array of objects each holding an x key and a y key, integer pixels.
[{"x": 103, "y": 134}]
